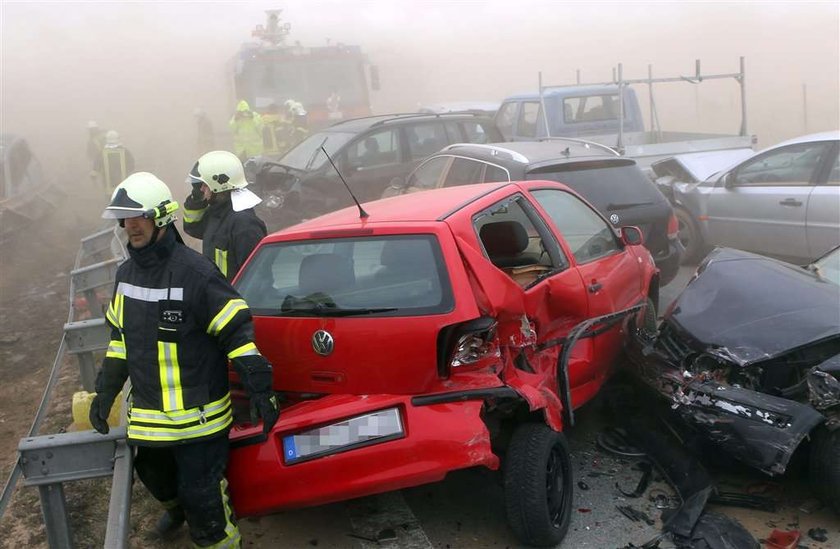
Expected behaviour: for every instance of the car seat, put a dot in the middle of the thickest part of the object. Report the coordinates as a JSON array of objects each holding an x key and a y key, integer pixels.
[
  {"x": 325, "y": 273},
  {"x": 504, "y": 242},
  {"x": 405, "y": 260}
]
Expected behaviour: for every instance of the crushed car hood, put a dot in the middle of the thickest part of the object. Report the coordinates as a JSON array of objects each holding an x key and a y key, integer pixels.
[{"x": 747, "y": 308}]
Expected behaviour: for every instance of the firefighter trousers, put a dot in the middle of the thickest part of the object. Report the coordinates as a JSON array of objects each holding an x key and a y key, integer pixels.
[{"x": 192, "y": 475}]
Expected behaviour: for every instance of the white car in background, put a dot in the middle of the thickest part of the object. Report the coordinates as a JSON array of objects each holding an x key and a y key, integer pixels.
[{"x": 783, "y": 201}]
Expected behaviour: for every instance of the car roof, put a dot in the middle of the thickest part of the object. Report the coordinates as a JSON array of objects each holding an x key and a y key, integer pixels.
[
  {"x": 364, "y": 123},
  {"x": 822, "y": 136},
  {"x": 529, "y": 154},
  {"x": 566, "y": 91}
]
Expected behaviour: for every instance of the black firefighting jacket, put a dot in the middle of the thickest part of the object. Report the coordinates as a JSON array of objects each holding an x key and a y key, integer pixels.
[
  {"x": 175, "y": 322},
  {"x": 228, "y": 237}
]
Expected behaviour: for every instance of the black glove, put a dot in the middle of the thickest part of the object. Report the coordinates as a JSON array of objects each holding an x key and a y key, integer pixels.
[
  {"x": 264, "y": 405},
  {"x": 99, "y": 410}
]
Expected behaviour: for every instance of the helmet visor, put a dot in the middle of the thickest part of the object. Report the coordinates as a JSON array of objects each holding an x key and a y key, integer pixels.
[
  {"x": 112, "y": 212},
  {"x": 194, "y": 177}
]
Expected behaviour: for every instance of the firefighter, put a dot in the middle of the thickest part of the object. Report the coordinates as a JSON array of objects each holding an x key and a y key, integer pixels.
[
  {"x": 95, "y": 144},
  {"x": 296, "y": 124},
  {"x": 220, "y": 211},
  {"x": 205, "y": 140},
  {"x": 175, "y": 322},
  {"x": 273, "y": 128},
  {"x": 116, "y": 161},
  {"x": 247, "y": 132}
]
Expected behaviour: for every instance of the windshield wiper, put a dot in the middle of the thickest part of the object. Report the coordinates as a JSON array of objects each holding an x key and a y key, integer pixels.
[{"x": 625, "y": 205}]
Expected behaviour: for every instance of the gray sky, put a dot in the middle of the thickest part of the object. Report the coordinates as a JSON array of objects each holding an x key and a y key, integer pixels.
[{"x": 142, "y": 67}]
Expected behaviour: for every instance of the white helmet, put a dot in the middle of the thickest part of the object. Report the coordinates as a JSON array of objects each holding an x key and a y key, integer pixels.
[
  {"x": 112, "y": 138},
  {"x": 219, "y": 170},
  {"x": 142, "y": 194}
]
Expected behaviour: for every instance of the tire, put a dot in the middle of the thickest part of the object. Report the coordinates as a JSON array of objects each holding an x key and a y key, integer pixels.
[
  {"x": 538, "y": 485},
  {"x": 690, "y": 237},
  {"x": 825, "y": 465}
]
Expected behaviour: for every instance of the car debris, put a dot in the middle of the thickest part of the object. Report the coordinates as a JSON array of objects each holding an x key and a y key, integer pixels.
[
  {"x": 644, "y": 480},
  {"x": 818, "y": 534},
  {"x": 634, "y": 514},
  {"x": 783, "y": 539},
  {"x": 753, "y": 368}
]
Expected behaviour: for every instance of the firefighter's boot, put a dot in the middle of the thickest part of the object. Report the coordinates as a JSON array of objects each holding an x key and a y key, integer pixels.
[{"x": 170, "y": 522}]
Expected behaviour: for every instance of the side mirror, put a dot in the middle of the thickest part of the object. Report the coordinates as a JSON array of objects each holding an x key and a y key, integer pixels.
[
  {"x": 632, "y": 236},
  {"x": 729, "y": 180},
  {"x": 399, "y": 182}
]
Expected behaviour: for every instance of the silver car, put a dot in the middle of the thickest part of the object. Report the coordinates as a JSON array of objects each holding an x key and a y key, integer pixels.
[{"x": 783, "y": 201}]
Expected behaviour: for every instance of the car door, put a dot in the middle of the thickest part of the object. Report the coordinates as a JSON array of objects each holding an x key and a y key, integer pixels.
[
  {"x": 611, "y": 275},
  {"x": 761, "y": 205},
  {"x": 373, "y": 161},
  {"x": 822, "y": 225},
  {"x": 506, "y": 118}
]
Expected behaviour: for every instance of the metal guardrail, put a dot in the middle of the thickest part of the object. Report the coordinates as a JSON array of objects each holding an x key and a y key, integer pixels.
[{"x": 48, "y": 461}]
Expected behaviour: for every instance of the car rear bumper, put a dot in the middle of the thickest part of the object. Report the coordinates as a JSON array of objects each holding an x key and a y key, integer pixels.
[
  {"x": 669, "y": 263},
  {"x": 435, "y": 439}
]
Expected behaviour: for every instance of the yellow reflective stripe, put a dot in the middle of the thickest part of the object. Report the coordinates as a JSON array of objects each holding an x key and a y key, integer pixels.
[
  {"x": 193, "y": 216},
  {"x": 179, "y": 417},
  {"x": 170, "y": 376},
  {"x": 163, "y": 434},
  {"x": 246, "y": 350},
  {"x": 232, "y": 537},
  {"x": 115, "y": 311},
  {"x": 225, "y": 315},
  {"x": 221, "y": 260},
  {"x": 116, "y": 349}
]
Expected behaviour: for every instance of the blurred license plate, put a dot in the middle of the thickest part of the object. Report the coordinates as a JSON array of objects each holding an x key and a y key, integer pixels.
[{"x": 358, "y": 431}]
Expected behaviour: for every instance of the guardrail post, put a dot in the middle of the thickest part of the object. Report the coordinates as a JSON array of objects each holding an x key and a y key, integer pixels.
[{"x": 54, "y": 510}]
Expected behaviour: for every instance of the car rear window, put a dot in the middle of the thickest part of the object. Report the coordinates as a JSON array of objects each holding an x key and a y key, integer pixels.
[
  {"x": 606, "y": 185},
  {"x": 400, "y": 275}
]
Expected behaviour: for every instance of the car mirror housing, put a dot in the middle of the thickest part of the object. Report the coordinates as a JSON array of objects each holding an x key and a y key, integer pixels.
[
  {"x": 632, "y": 236},
  {"x": 729, "y": 180},
  {"x": 399, "y": 182}
]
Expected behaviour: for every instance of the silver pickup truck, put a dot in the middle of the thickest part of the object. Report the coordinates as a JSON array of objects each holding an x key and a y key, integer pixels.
[{"x": 593, "y": 112}]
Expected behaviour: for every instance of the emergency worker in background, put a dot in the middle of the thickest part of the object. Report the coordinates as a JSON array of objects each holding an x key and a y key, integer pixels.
[
  {"x": 95, "y": 144},
  {"x": 205, "y": 140},
  {"x": 246, "y": 126},
  {"x": 220, "y": 211},
  {"x": 115, "y": 162},
  {"x": 296, "y": 128},
  {"x": 175, "y": 322},
  {"x": 273, "y": 128}
]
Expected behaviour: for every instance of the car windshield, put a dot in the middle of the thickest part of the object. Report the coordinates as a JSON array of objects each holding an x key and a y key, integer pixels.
[
  {"x": 370, "y": 276},
  {"x": 608, "y": 186},
  {"x": 307, "y": 155},
  {"x": 828, "y": 266}
]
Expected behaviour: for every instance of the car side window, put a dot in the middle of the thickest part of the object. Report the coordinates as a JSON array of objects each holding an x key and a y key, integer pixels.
[
  {"x": 834, "y": 174},
  {"x": 475, "y": 132},
  {"x": 588, "y": 235},
  {"x": 377, "y": 149},
  {"x": 527, "y": 126},
  {"x": 517, "y": 241},
  {"x": 791, "y": 165},
  {"x": 463, "y": 172},
  {"x": 427, "y": 174},
  {"x": 425, "y": 139},
  {"x": 505, "y": 119},
  {"x": 495, "y": 173}
]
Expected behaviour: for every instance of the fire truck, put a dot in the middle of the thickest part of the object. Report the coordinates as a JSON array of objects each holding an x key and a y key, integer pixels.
[{"x": 330, "y": 81}]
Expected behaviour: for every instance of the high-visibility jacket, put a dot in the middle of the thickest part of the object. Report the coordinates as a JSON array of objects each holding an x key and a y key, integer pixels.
[
  {"x": 175, "y": 322},
  {"x": 272, "y": 129},
  {"x": 227, "y": 237},
  {"x": 247, "y": 134}
]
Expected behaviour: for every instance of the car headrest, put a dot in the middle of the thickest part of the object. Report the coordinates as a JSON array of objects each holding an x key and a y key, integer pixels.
[
  {"x": 407, "y": 255},
  {"x": 504, "y": 238},
  {"x": 325, "y": 273}
]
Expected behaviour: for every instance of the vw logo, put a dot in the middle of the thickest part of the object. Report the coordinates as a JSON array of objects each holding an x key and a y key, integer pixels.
[
  {"x": 614, "y": 219},
  {"x": 322, "y": 342}
]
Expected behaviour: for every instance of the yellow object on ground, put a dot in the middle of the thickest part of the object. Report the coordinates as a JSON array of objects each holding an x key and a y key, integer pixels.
[{"x": 81, "y": 410}]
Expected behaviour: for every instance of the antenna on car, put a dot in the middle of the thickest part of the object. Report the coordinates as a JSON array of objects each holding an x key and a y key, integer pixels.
[{"x": 362, "y": 213}]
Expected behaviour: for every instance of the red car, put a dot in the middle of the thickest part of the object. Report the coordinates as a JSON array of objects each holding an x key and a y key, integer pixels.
[{"x": 453, "y": 329}]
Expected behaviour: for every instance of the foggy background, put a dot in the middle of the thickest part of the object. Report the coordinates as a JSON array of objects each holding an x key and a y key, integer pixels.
[{"x": 141, "y": 68}]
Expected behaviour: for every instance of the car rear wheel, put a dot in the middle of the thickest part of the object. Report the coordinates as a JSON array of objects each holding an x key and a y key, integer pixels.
[
  {"x": 825, "y": 465},
  {"x": 690, "y": 237},
  {"x": 538, "y": 485}
]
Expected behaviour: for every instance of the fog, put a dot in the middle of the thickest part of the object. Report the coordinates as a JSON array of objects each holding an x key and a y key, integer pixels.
[{"x": 142, "y": 68}]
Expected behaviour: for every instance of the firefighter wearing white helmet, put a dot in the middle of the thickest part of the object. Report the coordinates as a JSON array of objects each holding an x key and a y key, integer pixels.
[
  {"x": 115, "y": 161},
  {"x": 175, "y": 323},
  {"x": 220, "y": 211}
]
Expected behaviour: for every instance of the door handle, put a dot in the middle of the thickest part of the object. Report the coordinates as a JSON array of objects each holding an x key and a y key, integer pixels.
[
  {"x": 594, "y": 287},
  {"x": 790, "y": 202}
]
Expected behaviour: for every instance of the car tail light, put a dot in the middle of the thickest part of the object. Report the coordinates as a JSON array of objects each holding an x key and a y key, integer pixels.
[
  {"x": 467, "y": 346},
  {"x": 673, "y": 226}
]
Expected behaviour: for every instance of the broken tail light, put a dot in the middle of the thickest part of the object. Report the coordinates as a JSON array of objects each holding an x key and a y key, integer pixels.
[
  {"x": 467, "y": 346},
  {"x": 673, "y": 226}
]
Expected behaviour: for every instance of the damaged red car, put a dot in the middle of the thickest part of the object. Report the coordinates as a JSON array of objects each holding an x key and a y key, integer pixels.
[
  {"x": 748, "y": 357},
  {"x": 461, "y": 328}
]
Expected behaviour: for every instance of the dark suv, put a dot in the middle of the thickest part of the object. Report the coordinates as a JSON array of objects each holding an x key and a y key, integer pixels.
[
  {"x": 615, "y": 185},
  {"x": 370, "y": 152}
]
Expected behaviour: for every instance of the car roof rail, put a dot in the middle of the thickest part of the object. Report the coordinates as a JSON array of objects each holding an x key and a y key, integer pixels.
[
  {"x": 583, "y": 142},
  {"x": 427, "y": 115},
  {"x": 394, "y": 114},
  {"x": 517, "y": 156}
]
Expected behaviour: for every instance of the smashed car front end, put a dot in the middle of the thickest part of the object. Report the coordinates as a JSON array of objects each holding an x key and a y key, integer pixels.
[{"x": 748, "y": 356}]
